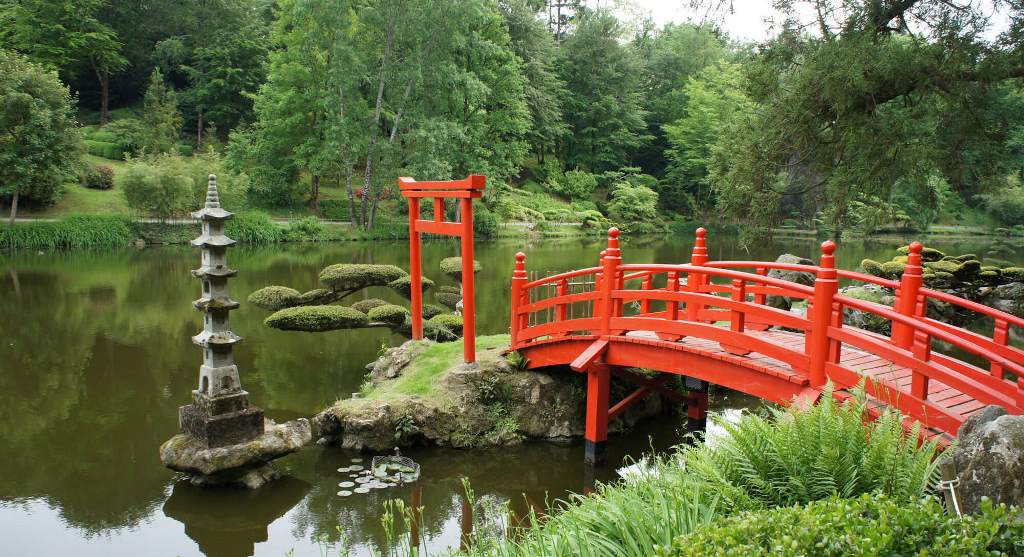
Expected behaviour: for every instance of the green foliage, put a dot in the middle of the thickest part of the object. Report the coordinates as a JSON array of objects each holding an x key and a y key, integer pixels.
[
  {"x": 403, "y": 285},
  {"x": 1006, "y": 204},
  {"x": 366, "y": 305},
  {"x": 99, "y": 177},
  {"x": 485, "y": 223},
  {"x": 575, "y": 184},
  {"x": 253, "y": 228},
  {"x": 448, "y": 299},
  {"x": 449, "y": 321},
  {"x": 634, "y": 208},
  {"x": 112, "y": 151},
  {"x": 602, "y": 108},
  {"x": 39, "y": 142},
  {"x": 389, "y": 313},
  {"x": 74, "y": 232},
  {"x": 805, "y": 455},
  {"x": 452, "y": 266},
  {"x": 867, "y": 525},
  {"x": 273, "y": 298},
  {"x": 157, "y": 188},
  {"x": 161, "y": 121},
  {"x": 354, "y": 276},
  {"x": 306, "y": 229},
  {"x": 430, "y": 310},
  {"x": 316, "y": 319}
]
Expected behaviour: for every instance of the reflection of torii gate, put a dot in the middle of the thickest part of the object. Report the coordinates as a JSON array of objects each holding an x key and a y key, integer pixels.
[{"x": 465, "y": 191}]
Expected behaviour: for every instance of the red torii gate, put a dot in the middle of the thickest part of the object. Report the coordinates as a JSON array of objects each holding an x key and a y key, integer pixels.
[{"x": 465, "y": 191}]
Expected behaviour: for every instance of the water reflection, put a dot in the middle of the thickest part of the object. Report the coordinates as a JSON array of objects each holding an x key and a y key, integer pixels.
[{"x": 95, "y": 358}]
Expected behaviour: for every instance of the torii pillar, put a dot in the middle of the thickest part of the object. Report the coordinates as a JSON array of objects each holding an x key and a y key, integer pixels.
[{"x": 465, "y": 190}]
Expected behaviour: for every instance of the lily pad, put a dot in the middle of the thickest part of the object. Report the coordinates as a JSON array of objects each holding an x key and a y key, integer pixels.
[
  {"x": 346, "y": 484},
  {"x": 355, "y": 467},
  {"x": 362, "y": 490},
  {"x": 344, "y": 469},
  {"x": 344, "y": 493}
]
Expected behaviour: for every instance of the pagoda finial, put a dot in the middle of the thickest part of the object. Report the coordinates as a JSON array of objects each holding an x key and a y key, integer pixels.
[{"x": 212, "y": 199}]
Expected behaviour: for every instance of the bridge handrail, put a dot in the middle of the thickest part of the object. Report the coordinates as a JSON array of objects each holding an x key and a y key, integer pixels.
[
  {"x": 561, "y": 276},
  {"x": 658, "y": 268},
  {"x": 813, "y": 269},
  {"x": 973, "y": 306}
]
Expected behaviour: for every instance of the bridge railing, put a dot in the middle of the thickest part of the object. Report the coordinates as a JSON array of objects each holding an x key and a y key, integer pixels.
[{"x": 676, "y": 301}]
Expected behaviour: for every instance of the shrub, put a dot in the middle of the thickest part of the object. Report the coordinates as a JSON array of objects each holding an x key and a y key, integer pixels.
[
  {"x": 184, "y": 149},
  {"x": 389, "y": 313},
  {"x": 104, "y": 150},
  {"x": 334, "y": 209},
  {"x": 157, "y": 190},
  {"x": 403, "y": 285},
  {"x": 317, "y": 319},
  {"x": 449, "y": 299},
  {"x": 576, "y": 184},
  {"x": 485, "y": 223},
  {"x": 306, "y": 228},
  {"x": 99, "y": 177},
  {"x": 452, "y": 266},
  {"x": 635, "y": 208},
  {"x": 366, "y": 305},
  {"x": 1006, "y": 204},
  {"x": 273, "y": 298},
  {"x": 806, "y": 455},
  {"x": 253, "y": 228},
  {"x": 449, "y": 321},
  {"x": 430, "y": 311},
  {"x": 867, "y": 525},
  {"x": 354, "y": 276}
]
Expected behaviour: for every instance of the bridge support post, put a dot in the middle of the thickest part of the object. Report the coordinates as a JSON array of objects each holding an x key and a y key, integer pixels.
[
  {"x": 519, "y": 278},
  {"x": 696, "y": 405},
  {"x": 906, "y": 296},
  {"x": 694, "y": 281},
  {"x": 825, "y": 287},
  {"x": 596, "y": 436}
]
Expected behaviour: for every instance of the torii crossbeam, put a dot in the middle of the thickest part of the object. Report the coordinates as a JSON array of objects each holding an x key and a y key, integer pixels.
[{"x": 465, "y": 191}]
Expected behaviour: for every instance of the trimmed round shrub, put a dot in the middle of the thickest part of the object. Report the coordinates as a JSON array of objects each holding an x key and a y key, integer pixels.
[
  {"x": 390, "y": 314},
  {"x": 430, "y": 310},
  {"x": 315, "y": 319},
  {"x": 99, "y": 177},
  {"x": 449, "y": 289},
  {"x": 449, "y": 321},
  {"x": 452, "y": 266},
  {"x": 356, "y": 276},
  {"x": 365, "y": 306},
  {"x": 448, "y": 299},
  {"x": 867, "y": 525},
  {"x": 273, "y": 298},
  {"x": 103, "y": 149},
  {"x": 403, "y": 285}
]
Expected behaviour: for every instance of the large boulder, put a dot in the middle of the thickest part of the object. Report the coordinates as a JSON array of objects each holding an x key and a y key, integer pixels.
[
  {"x": 988, "y": 459},
  {"x": 1007, "y": 297},
  {"x": 799, "y": 277},
  {"x": 245, "y": 464}
]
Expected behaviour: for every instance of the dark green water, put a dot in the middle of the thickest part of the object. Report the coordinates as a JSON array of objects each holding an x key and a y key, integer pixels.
[{"x": 95, "y": 359}]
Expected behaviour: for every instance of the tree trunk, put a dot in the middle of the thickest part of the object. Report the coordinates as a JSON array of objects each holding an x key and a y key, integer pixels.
[
  {"x": 351, "y": 199},
  {"x": 104, "y": 97},
  {"x": 14, "y": 207},
  {"x": 199, "y": 130},
  {"x": 314, "y": 193},
  {"x": 375, "y": 129}
]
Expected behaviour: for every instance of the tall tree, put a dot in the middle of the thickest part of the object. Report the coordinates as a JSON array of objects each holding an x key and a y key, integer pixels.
[
  {"x": 39, "y": 141},
  {"x": 63, "y": 35},
  {"x": 603, "y": 105}
]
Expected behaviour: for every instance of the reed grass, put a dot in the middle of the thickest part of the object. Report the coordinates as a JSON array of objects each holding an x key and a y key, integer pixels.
[{"x": 72, "y": 232}]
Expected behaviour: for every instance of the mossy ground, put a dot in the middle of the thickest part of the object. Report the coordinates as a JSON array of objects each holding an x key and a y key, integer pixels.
[{"x": 420, "y": 377}]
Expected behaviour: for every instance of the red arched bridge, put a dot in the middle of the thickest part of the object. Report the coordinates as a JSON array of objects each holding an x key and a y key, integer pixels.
[{"x": 710, "y": 321}]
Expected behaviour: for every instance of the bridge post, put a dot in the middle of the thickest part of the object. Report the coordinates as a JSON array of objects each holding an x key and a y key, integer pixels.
[
  {"x": 694, "y": 281},
  {"x": 609, "y": 280},
  {"x": 596, "y": 435},
  {"x": 696, "y": 405},
  {"x": 825, "y": 287},
  {"x": 519, "y": 279},
  {"x": 906, "y": 297}
]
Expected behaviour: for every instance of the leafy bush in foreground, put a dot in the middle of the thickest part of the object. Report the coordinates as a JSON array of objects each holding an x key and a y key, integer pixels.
[
  {"x": 80, "y": 231},
  {"x": 99, "y": 177},
  {"x": 868, "y": 526}
]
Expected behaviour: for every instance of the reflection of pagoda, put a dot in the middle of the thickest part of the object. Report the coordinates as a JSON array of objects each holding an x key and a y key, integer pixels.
[
  {"x": 229, "y": 523},
  {"x": 219, "y": 414}
]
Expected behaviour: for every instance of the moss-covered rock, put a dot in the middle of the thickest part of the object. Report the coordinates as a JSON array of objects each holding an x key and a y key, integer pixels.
[
  {"x": 448, "y": 299},
  {"x": 391, "y": 314},
  {"x": 365, "y": 306},
  {"x": 963, "y": 271},
  {"x": 273, "y": 298},
  {"x": 450, "y": 321},
  {"x": 430, "y": 311},
  {"x": 939, "y": 280},
  {"x": 355, "y": 276},
  {"x": 864, "y": 319},
  {"x": 452, "y": 266},
  {"x": 403, "y": 285},
  {"x": 317, "y": 319},
  {"x": 1013, "y": 274}
]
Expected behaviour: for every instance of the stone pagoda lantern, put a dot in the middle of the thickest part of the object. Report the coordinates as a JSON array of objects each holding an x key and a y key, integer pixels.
[{"x": 223, "y": 440}]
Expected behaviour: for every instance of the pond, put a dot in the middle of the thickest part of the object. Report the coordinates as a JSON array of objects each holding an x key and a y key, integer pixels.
[{"x": 95, "y": 359}]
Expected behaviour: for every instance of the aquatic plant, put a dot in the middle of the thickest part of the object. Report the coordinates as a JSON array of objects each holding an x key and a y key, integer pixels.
[{"x": 74, "y": 232}]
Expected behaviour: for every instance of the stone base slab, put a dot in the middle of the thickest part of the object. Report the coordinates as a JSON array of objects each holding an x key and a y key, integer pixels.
[{"x": 221, "y": 429}]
